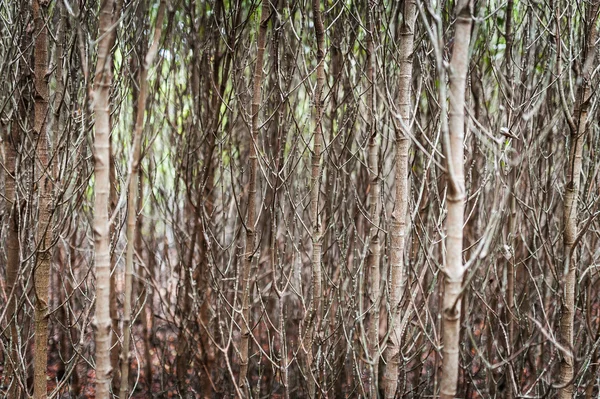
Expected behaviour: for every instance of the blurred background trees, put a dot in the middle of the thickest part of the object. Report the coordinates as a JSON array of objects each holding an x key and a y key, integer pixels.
[{"x": 299, "y": 199}]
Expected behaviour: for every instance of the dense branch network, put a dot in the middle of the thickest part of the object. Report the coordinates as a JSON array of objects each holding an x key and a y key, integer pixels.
[{"x": 299, "y": 199}]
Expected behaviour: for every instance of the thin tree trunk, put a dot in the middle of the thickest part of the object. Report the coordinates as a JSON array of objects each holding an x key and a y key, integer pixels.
[
  {"x": 58, "y": 119},
  {"x": 315, "y": 187},
  {"x": 12, "y": 360},
  {"x": 574, "y": 170},
  {"x": 114, "y": 236},
  {"x": 13, "y": 262},
  {"x": 455, "y": 197},
  {"x": 44, "y": 228},
  {"x": 145, "y": 292},
  {"x": 132, "y": 199},
  {"x": 276, "y": 158},
  {"x": 374, "y": 208},
  {"x": 251, "y": 210},
  {"x": 184, "y": 298},
  {"x": 114, "y": 311},
  {"x": 399, "y": 215},
  {"x": 510, "y": 264},
  {"x": 101, "y": 106}
]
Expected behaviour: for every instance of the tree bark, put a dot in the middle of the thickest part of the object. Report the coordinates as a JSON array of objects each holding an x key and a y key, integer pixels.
[
  {"x": 114, "y": 232},
  {"x": 101, "y": 107},
  {"x": 315, "y": 314},
  {"x": 44, "y": 179},
  {"x": 58, "y": 119},
  {"x": 373, "y": 264},
  {"x": 13, "y": 251},
  {"x": 510, "y": 263},
  {"x": 251, "y": 210},
  {"x": 399, "y": 215},
  {"x": 455, "y": 198},
  {"x": 573, "y": 171}
]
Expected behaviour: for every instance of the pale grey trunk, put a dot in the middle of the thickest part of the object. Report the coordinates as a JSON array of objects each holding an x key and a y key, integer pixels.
[
  {"x": 454, "y": 269},
  {"x": 100, "y": 102}
]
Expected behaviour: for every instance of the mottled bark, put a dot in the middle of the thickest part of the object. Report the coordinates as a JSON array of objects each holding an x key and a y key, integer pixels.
[
  {"x": 571, "y": 196},
  {"x": 44, "y": 179},
  {"x": 316, "y": 309},
  {"x": 399, "y": 223}
]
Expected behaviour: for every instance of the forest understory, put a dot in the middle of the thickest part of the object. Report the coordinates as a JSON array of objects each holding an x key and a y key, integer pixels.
[{"x": 299, "y": 199}]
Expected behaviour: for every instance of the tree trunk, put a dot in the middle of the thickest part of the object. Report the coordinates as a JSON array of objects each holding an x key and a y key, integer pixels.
[
  {"x": 511, "y": 233},
  {"x": 13, "y": 251},
  {"x": 101, "y": 106},
  {"x": 455, "y": 198},
  {"x": 374, "y": 207},
  {"x": 113, "y": 200},
  {"x": 574, "y": 170},
  {"x": 58, "y": 119},
  {"x": 114, "y": 233},
  {"x": 132, "y": 199},
  {"x": 315, "y": 315},
  {"x": 44, "y": 178},
  {"x": 251, "y": 210},
  {"x": 399, "y": 215}
]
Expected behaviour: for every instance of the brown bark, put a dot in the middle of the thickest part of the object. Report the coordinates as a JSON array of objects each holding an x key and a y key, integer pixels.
[
  {"x": 145, "y": 292},
  {"x": 206, "y": 198},
  {"x": 510, "y": 264},
  {"x": 251, "y": 210},
  {"x": 184, "y": 298},
  {"x": 44, "y": 228},
  {"x": 59, "y": 271},
  {"x": 13, "y": 262}
]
